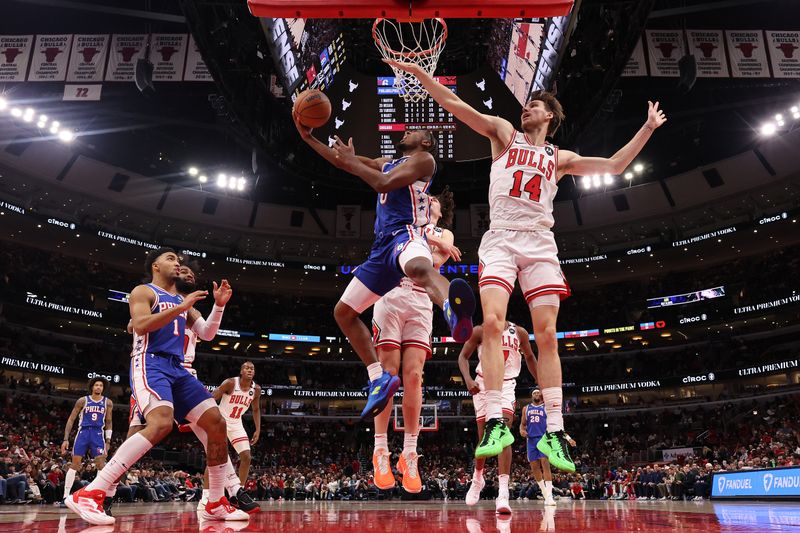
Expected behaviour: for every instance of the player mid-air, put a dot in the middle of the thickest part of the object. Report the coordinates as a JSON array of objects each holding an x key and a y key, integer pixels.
[
  {"x": 399, "y": 249},
  {"x": 94, "y": 432},
  {"x": 164, "y": 392},
  {"x": 234, "y": 397},
  {"x": 515, "y": 345},
  {"x": 402, "y": 324},
  {"x": 519, "y": 244}
]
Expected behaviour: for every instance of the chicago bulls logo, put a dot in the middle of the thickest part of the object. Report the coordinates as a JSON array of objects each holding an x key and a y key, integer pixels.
[
  {"x": 51, "y": 53},
  {"x": 127, "y": 53},
  {"x": 666, "y": 49},
  {"x": 746, "y": 49},
  {"x": 707, "y": 49},
  {"x": 88, "y": 53},
  {"x": 167, "y": 52},
  {"x": 787, "y": 49},
  {"x": 11, "y": 54}
]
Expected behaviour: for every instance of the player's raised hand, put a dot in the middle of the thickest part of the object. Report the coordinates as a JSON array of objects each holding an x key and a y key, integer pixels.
[
  {"x": 407, "y": 66},
  {"x": 305, "y": 131},
  {"x": 191, "y": 299},
  {"x": 222, "y": 293},
  {"x": 655, "y": 116},
  {"x": 345, "y": 153},
  {"x": 455, "y": 253}
]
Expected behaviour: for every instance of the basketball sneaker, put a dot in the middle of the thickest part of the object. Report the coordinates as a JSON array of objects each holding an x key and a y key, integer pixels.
[
  {"x": 408, "y": 465},
  {"x": 458, "y": 309},
  {"x": 554, "y": 445},
  {"x": 203, "y": 501},
  {"x": 496, "y": 436},
  {"x": 501, "y": 504},
  {"x": 222, "y": 510},
  {"x": 107, "y": 503},
  {"x": 243, "y": 501},
  {"x": 380, "y": 392},
  {"x": 89, "y": 506},
  {"x": 474, "y": 492},
  {"x": 381, "y": 464},
  {"x": 549, "y": 501}
]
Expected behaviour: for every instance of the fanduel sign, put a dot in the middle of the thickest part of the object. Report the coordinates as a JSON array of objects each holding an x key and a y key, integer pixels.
[{"x": 772, "y": 483}]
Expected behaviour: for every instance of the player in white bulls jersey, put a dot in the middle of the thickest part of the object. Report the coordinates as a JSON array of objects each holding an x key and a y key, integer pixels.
[
  {"x": 520, "y": 243},
  {"x": 402, "y": 323},
  {"x": 515, "y": 346},
  {"x": 235, "y": 396}
]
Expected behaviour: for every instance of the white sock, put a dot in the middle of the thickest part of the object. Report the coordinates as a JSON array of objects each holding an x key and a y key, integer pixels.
[
  {"x": 127, "y": 455},
  {"x": 552, "y": 397},
  {"x": 381, "y": 441},
  {"x": 548, "y": 486},
  {"x": 542, "y": 487},
  {"x": 410, "y": 442},
  {"x": 112, "y": 490},
  {"x": 493, "y": 408},
  {"x": 477, "y": 475},
  {"x": 226, "y": 478},
  {"x": 69, "y": 480},
  {"x": 205, "y": 494},
  {"x": 375, "y": 371},
  {"x": 503, "y": 479}
]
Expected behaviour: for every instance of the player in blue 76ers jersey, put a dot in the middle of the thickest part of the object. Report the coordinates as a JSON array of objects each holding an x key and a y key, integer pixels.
[
  {"x": 400, "y": 249},
  {"x": 94, "y": 430},
  {"x": 165, "y": 391},
  {"x": 533, "y": 427}
]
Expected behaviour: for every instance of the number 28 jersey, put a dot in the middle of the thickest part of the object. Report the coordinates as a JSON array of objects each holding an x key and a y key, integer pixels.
[{"x": 523, "y": 185}]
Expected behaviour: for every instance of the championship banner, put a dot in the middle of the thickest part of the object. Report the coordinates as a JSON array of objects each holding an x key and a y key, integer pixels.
[
  {"x": 665, "y": 48},
  {"x": 672, "y": 454},
  {"x": 709, "y": 51},
  {"x": 479, "y": 219},
  {"x": 196, "y": 69},
  {"x": 168, "y": 54},
  {"x": 348, "y": 221},
  {"x": 784, "y": 52},
  {"x": 88, "y": 58},
  {"x": 636, "y": 65},
  {"x": 15, "y": 53},
  {"x": 50, "y": 58},
  {"x": 747, "y": 53},
  {"x": 125, "y": 51}
]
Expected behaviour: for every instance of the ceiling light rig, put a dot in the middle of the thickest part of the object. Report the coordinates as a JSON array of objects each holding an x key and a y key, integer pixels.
[
  {"x": 43, "y": 122},
  {"x": 781, "y": 122},
  {"x": 224, "y": 181},
  {"x": 605, "y": 181}
]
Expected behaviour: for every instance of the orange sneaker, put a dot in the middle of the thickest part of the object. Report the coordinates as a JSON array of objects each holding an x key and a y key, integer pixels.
[
  {"x": 382, "y": 465},
  {"x": 407, "y": 465}
]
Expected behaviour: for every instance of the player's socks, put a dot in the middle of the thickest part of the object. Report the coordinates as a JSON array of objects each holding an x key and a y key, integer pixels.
[
  {"x": 553, "y": 397},
  {"x": 112, "y": 490},
  {"x": 542, "y": 487},
  {"x": 216, "y": 482},
  {"x": 410, "y": 442},
  {"x": 127, "y": 455},
  {"x": 375, "y": 370},
  {"x": 477, "y": 475},
  {"x": 458, "y": 309},
  {"x": 494, "y": 399},
  {"x": 205, "y": 495},
  {"x": 69, "y": 480},
  {"x": 503, "y": 479},
  {"x": 381, "y": 441}
]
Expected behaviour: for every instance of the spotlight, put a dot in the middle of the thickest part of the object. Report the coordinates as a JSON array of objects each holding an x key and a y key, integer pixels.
[
  {"x": 778, "y": 117},
  {"x": 781, "y": 123},
  {"x": 193, "y": 171},
  {"x": 768, "y": 129},
  {"x": 55, "y": 124},
  {"x": 232, "y": 184},
  {"x": 222, "y": 180},
  {"x": 16, "y": 112},
  {"x": 3, "y": 104},
  {"x": 608, "y": 179},
  {"x": 794, "y": 109},
  {"x": 202, "y": 178},
  {"x": 240, "y": 185},
  {"x": 796, "y": 115},
  {"x": 28, "y": 115},
  {"x": 638, "y": 168},
  {"x": 587, "y": 182},
  {"x": 53, "y": 129},
  {"x": 629, "y": 176},
  {"x": 42, "y": 118},
  {"x": 41, "y": 124},
  {"x": 596, "y": 180},
  {"x": 66, "y": 136}
]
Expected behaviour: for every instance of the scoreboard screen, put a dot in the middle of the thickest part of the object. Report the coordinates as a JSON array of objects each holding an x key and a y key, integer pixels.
[{"x": 372, "y": 111}]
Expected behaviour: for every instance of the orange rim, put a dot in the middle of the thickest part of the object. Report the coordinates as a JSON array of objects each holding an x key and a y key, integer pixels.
[{"x": 410, "y": 55}]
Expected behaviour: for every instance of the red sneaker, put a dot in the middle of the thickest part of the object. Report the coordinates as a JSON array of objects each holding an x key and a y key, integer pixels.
[{"x": 88, "y": 504}]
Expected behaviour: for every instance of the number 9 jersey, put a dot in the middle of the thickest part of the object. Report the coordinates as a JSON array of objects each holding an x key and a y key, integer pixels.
[{"x": 519, "y": 243}]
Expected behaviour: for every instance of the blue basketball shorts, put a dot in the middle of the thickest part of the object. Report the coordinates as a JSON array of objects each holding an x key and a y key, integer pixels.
[
  {"x": 89, "y": 440},
  {"x": 162, "y": 380}
]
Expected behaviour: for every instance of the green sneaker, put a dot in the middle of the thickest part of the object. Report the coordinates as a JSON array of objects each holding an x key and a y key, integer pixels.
[
  {"x": 496, "y": 436},
  {"x": 554, "y": 446}
]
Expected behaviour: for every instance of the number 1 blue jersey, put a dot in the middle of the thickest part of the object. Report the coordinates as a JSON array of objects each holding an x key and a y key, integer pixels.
[
  {"x": 93, "y": 415},
  {"x": 167, "y": 340},
  {"x": 407, "y": 206},
  {"x": 536, "y": 420}
]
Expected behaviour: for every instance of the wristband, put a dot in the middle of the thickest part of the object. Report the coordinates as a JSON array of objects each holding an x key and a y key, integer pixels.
[{"x": 108, "y": 434}]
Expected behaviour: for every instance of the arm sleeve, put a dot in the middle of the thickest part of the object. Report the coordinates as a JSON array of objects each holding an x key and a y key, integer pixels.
[{"x": 206, "y": 330}]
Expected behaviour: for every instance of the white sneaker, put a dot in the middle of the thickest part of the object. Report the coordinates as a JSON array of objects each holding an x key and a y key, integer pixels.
[
  {"x": 549, "y": 502},
  {"x": 473, "y": 526},
  {"x": 201, "y": 505},
  {"x": 89, "y": 506},
  {"x": 222, "y": 510},
  {"x": 501, "y": 504},
  {"x": 474, "y": 492}
]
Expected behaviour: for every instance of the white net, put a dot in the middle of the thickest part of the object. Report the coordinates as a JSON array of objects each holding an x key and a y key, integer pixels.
[{"x": 419, "y": 42}]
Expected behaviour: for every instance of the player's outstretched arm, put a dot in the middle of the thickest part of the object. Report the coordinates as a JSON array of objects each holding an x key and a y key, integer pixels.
[
  {"x": 256, "y": 416},
  {"x": 443, "y": 247},
  {"x": 327, "y": 152},
  {"x": 80, "y": 403},
  {"x": 497, "y": 129},
  {"x": 463, "y": 359},
  {"x": 144, "y": 321},
  {"x": 419, "y": 165},
  {"x": 207, "y": 329},
  {"x": 523, "y": 430},
  {"x": 572, "y": 163},
  {"x": 527, "y": 352},
  {"x": 109, "y": 422}
]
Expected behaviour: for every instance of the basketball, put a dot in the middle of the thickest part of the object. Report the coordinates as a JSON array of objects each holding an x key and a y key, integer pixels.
[{"x": 313, "y": 108}]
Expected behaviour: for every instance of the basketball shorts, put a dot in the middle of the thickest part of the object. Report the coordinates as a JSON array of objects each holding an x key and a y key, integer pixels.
[
  {"x": 89, "y": 440},
  {"x": 158, "y": 380},
  {"x": 403, "y": 317},
  {"x": 135, "y": 418},
  {"x": 191, "y": 370},
  {"x": 532, "y": 256},
  {"x": 237, "y": 436},
  {"x": 508, "y": 403},
  {"x": 383, "y": 269},
  {"x": 533, "y": 452}
]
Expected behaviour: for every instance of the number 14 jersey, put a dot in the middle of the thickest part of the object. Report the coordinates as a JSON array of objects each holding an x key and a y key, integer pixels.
[{"x": 523, "y": 185}]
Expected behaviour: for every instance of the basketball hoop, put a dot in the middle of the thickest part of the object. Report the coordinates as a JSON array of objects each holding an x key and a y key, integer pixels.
[{"x": 419, "y": 42}]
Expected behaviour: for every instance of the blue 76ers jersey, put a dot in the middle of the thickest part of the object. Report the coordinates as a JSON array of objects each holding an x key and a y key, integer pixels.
[
  {"x": 169, "y": 339},
  {"x": 402, "y": 207},
  {"x": 94, "y": 414},
  {"x": 536, "y": 423}
]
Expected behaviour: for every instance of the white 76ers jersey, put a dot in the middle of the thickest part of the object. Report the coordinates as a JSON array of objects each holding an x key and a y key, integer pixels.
[
  {"x": 234, "y": 405},
  {"x": 509, "y": 344},
  {"x": 523, "y": 185}
]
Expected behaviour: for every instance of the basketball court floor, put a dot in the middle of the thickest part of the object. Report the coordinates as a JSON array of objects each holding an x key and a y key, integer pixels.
[{"x": 401, "y": 517}]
